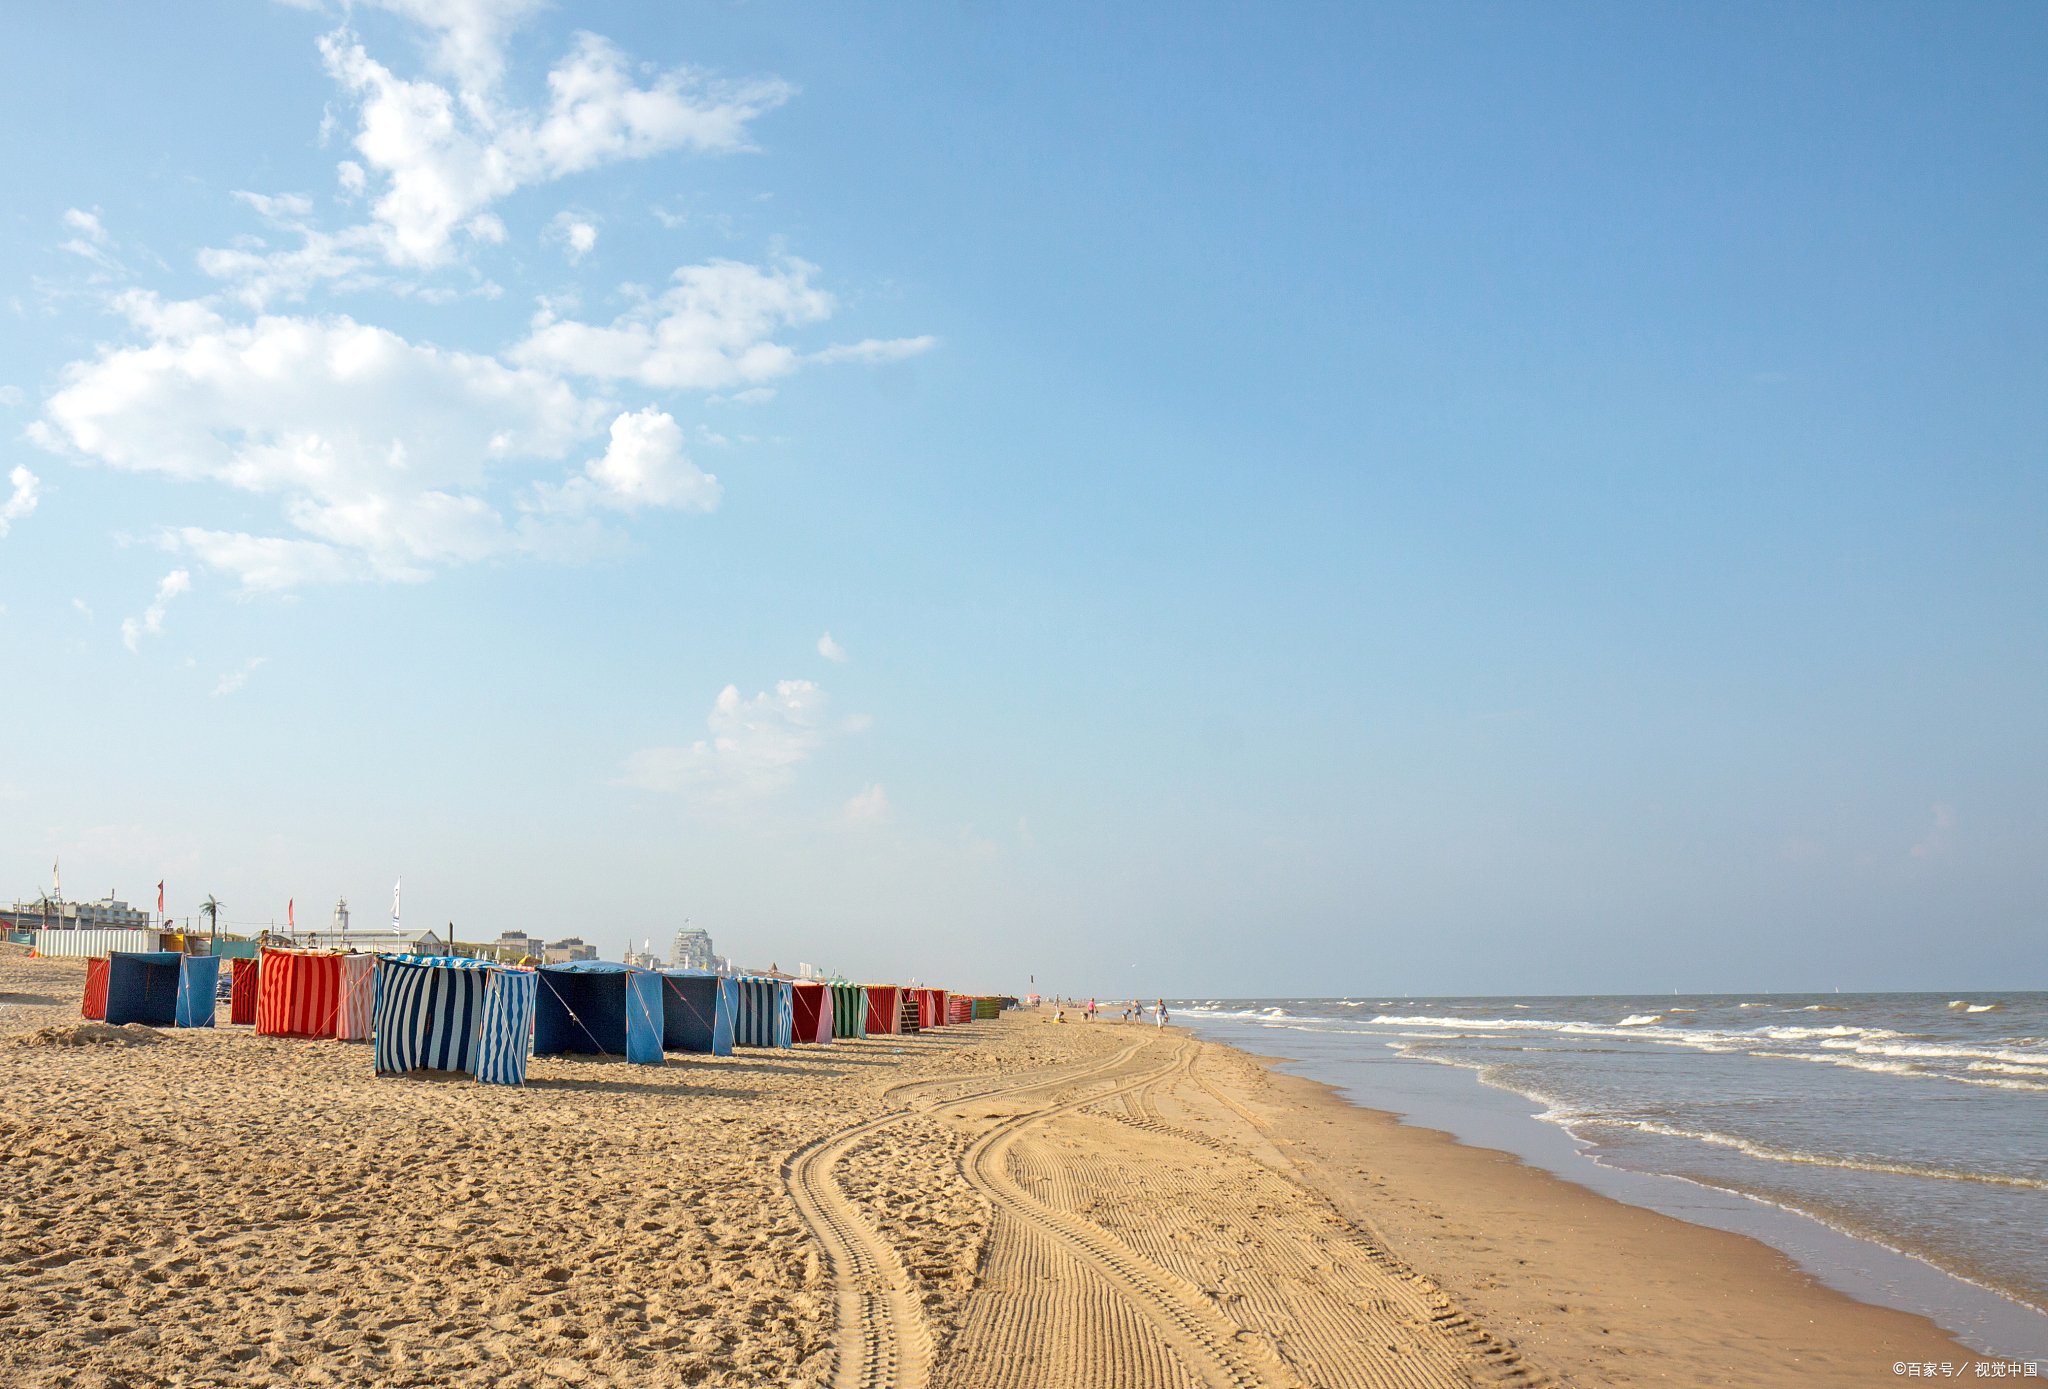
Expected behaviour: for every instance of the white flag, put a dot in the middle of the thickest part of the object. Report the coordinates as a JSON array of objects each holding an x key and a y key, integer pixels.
[{"x": 394, "y": 902}]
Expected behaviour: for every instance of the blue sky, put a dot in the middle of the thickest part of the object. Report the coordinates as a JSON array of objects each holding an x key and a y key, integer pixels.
[{"x": 1186, "y": 500}]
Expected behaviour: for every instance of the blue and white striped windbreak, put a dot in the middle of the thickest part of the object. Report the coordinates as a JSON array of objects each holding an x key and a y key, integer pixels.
[
  {"x": 766, "y": 1016},
  {"x": 506, "y": 1038},
  {"x": 453, "y": 1014}
]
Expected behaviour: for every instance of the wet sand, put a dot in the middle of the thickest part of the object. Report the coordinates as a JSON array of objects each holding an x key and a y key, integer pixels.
[{"x": 1010, "y": 1203}]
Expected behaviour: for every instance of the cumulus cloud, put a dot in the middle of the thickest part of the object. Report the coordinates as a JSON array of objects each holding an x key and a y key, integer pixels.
[
  {"x": 152, "y": 621},
  {"x": 27, "y": 492},
  {"x": 574, "y": 232},
  {"x": 753, "y": 752},
  {"x": 830, "y": 649},
  {"x": 235, "y": 679},
  {"x": 390, "y": 458},
  {"x": 643, "y": 465},
  {"x": 375, "y": 445},
  {"x": 713, "y": 330},
  {"x": 433, "y": 158}
]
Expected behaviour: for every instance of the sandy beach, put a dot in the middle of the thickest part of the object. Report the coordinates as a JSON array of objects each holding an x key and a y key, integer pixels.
[{"x": 1012, "y": 1203}]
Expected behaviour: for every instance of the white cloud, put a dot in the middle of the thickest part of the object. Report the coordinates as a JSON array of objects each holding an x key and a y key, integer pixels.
[
  {"x": 235, "y": 679},
  {"x": 830, "y": 649},
  {"x": 1938, "y": 840},
  {"x": 754, "y": 749},
  {"x": 79, "y": 603},
  {"x": 434, "y": 158},
  {"x": 874, "y": 351},
  {"x": 643, "y": 465},
  {"x": 86, "y": 222},
  {"x": 376, "y": 446},
  {"x": 443, "y": 157},
  {"x": 27, "y": 492},
  {"x": 92, "y": 241},
  {"x": 470, "y": 34},
  {"x": 712, "y": 331},
  {"x": 575, "y": 232},
  {"x": 152, "y": 622},
  {"x": 11, "y": 396},
  {"x": 868, "y": 805}
]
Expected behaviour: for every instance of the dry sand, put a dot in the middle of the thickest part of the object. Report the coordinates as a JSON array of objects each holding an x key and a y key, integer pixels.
[{"x": 1007, "y": 1203}]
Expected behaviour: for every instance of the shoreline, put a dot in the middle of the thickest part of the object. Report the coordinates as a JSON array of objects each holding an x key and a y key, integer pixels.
[
  {"x": 1084, "y": 1205},
  {"x": 1591, "y": 1287}
]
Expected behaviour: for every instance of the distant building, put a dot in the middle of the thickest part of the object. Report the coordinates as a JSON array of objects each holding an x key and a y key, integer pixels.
[
  {"x": 692, "y": 950},
  {"x": 384, "y": 942},
  {"x": 514, "y": 946},
  {"x": 558, "y": 952},
  {"x": 55, "y": 914},
  {"x": 645, "y": 959}
]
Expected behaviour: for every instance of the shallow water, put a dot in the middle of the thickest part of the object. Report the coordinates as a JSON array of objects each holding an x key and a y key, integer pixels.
[{"x": 1918, "y": 1122}]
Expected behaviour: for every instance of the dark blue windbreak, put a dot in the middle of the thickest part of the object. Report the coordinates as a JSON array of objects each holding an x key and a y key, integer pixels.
[
  {"x": 142, "y": 986},
  {"x": 599, "y": 1008},
  {"x": 697, "y": 1011}
]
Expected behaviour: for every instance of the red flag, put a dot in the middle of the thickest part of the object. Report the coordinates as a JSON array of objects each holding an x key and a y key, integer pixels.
[
  {"x": 288, "y": 921},
  {"x": 159, "y": 898}
]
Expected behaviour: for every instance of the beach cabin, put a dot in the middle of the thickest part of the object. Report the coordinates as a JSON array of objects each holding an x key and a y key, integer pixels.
[
  {"x": 811, "y": 1006},
  {"x": 849, "y": 1010},
  {"x": 697, "y": 1010},
  {"x": 885, "y": 1010},
  {"x": 766, "y": 1014},
  {"x": 157, "y": 988},
  {"x": 298, "y": 993},
  {"x": 446, "y": 1013},
  {"x": 599, "y": 1008},
  {"x": 94, "y": 1005},
  {"x": 242, "y": 990}
]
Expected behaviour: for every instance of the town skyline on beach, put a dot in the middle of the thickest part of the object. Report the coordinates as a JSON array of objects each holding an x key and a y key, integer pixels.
[{"x": 1250, "y": 505}]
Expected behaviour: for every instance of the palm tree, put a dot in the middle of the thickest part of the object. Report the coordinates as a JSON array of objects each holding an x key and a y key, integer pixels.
[{"x": 210, "y": 909}]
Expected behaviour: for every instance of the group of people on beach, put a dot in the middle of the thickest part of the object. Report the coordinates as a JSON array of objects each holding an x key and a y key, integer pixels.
[{"x": 1134, "y": 1011}]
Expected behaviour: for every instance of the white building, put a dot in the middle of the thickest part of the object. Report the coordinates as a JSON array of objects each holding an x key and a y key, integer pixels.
[{"x": 692, "y": 950}]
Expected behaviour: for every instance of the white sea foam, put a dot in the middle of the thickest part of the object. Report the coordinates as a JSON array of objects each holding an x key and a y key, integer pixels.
[
  {"x": 1640, "y": 1019},
  {"x": 1847, "y": 1161}
]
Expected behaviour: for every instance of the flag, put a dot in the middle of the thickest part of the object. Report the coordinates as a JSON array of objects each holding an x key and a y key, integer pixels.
[
  {"x": 159, "y": 897},
  {"x": 291, "y": 922},
  {"x": 394, "y": 902}
]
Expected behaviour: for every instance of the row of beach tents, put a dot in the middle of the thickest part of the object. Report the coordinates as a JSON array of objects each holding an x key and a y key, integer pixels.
[{"x": 456, "y": 1014}]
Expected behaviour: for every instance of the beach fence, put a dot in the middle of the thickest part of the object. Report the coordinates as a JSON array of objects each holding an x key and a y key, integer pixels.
[{"x": 88, "y": 944}]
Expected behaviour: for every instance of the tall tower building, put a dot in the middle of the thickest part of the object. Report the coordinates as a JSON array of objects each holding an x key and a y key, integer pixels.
[{"x": 692, "y": 950}]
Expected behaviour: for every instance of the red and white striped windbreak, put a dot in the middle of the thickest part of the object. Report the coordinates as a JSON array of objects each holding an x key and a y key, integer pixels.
[{"x": 298, "y": 993}]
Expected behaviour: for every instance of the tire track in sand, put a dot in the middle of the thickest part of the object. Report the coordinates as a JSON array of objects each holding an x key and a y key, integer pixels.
[
  {"x": 882, "y": 1339},
  {"x": 1165, "y": 1330}
]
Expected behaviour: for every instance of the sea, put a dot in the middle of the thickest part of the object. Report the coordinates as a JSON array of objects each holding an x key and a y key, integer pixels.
[{"x": 1895, "y": 1145}]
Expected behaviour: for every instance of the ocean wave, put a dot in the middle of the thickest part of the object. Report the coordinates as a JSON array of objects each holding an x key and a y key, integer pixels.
[
  {"x": 1848, "y": 1162},
  {"x": 1969, "y": 1007},
  {"x": 1932, "y": 1051},
  {"x": 1640, "y": 1019},
  {"x": 1791, "y": 1034}
]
